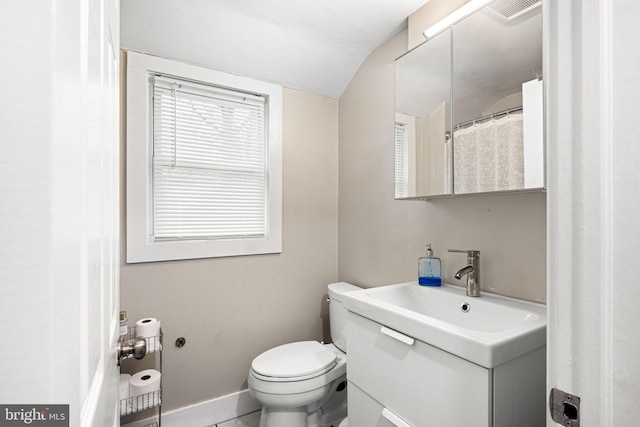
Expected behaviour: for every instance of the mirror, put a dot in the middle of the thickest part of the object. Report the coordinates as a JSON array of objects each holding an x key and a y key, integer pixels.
[
  {"x": 497, "y": 102},
  {"x": 480, "y": 82},
  {"x": 423, "y": 120}
]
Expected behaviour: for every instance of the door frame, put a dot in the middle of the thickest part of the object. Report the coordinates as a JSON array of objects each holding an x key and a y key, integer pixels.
[{"x": 591, "y": 71}]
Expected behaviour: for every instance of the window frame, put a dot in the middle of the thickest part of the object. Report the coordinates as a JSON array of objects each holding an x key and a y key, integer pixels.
[{"x": 141, "y": 246}]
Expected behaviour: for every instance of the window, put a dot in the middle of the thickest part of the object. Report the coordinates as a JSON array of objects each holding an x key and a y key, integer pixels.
[
  {"x": 405, "y": 153},
  {"x": 203, "y": 162},
  {"x": 401, "y": 170}
]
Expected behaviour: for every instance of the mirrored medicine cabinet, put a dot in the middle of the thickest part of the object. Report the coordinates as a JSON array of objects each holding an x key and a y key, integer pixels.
[{"x": 469, "y": 108}]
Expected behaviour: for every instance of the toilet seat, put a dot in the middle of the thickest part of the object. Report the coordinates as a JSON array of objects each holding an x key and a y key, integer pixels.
[{"x": 296, "y": 361}]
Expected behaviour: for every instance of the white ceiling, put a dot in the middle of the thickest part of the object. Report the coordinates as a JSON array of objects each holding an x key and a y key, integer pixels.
[{"x": 315, "y": 46}]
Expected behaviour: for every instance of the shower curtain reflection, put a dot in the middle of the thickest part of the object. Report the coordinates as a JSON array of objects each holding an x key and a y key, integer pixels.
[{"x": 489, "y": 156}]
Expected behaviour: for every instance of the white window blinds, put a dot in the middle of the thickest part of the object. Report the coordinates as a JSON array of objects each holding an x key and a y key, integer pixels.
[
  {"x": 209, "y": 162},
  {"x": 400, "y": 160}
]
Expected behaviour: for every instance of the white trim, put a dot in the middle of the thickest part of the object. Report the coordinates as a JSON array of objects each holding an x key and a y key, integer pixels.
[
  {"x": 139, "y": 247},
  {"x": 591, "y": 227},
  {"x": 607, "y": 171},
  {"x": 207, "y": 413}
]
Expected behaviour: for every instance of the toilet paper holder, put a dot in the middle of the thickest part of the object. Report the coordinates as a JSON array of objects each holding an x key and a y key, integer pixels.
[{"x": 136, "y": 348}]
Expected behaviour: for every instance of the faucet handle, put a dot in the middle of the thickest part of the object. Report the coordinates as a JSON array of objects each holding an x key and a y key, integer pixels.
[{"x": 471, "y": 253}]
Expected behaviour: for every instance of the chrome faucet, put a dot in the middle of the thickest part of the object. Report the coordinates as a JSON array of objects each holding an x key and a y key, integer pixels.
[{"x": 472, "y": 271}]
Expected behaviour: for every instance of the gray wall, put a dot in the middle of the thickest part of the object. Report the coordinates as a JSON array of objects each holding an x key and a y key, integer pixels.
[
  {"x": 380, "y": 238},
  {"x": 232, "y": 309}
]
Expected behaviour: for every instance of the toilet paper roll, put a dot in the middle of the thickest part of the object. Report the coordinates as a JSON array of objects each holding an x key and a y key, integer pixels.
[
  {"x": 149, "y": 328},
  {"x": 145, "y": 389}
]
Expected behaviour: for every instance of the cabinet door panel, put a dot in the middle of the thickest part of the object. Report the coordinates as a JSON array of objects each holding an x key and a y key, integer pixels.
[
  {"x": 418, "y": 382},
  {"x": 364, "y": 411}
]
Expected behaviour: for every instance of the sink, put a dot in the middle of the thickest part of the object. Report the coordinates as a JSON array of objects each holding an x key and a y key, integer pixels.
[{"x": 489, "y": 330}]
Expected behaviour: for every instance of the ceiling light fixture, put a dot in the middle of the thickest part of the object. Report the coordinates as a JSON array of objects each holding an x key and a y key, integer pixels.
[{"x": 460, "y": 13}]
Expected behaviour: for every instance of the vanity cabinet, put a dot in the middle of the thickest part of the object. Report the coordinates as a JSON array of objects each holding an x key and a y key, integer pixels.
[{"x": 395, "y": 380}]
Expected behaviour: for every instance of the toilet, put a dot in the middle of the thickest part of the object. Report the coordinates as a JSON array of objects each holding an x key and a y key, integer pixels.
[{"x": 303, "y": 384}]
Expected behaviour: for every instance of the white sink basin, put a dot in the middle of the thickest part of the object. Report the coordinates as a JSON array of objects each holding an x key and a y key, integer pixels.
[{"x": 493, "y": 329}]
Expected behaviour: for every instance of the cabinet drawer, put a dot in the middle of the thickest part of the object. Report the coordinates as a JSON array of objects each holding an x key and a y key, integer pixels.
[
  {"x": 364, "y": 411},
  {"x": 422, "y": 384}
]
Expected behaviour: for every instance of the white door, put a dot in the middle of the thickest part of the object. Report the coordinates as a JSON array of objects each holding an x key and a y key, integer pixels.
[
  {"x": 59, "y": 252},
  {"x": 592, "y": 82}
]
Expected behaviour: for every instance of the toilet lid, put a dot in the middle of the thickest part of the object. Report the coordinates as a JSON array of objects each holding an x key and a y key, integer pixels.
[{"x": 294, "y": 360}]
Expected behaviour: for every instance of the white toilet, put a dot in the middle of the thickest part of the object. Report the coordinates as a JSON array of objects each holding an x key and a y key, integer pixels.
[{"x": 303, "y": 384}]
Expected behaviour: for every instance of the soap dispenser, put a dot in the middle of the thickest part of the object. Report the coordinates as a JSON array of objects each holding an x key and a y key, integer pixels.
[{"x": 429, "y": 269}]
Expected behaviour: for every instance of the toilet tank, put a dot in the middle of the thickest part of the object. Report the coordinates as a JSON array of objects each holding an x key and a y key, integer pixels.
[{"x": 338, "y": 314}]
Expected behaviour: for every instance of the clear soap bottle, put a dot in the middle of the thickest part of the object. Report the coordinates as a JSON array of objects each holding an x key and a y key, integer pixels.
[
  {"x": 429, "y": 269},
  {"x": 124, "y": 327}
]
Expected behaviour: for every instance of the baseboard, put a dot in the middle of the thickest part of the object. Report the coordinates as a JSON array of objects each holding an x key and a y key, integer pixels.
[{"x": 207, "y": 413}]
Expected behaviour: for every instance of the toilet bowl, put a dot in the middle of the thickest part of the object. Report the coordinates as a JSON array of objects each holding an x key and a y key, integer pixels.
[
  {"x": 303, "y": 384},
  {"x": 294, "y": 396}
]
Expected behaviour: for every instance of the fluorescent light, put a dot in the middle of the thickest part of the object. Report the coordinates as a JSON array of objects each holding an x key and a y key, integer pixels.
[{"x": 458, "y": 14}]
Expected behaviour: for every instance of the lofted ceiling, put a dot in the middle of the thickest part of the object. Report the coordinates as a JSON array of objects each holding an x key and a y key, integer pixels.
[{"x": 315, "y": 46}]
